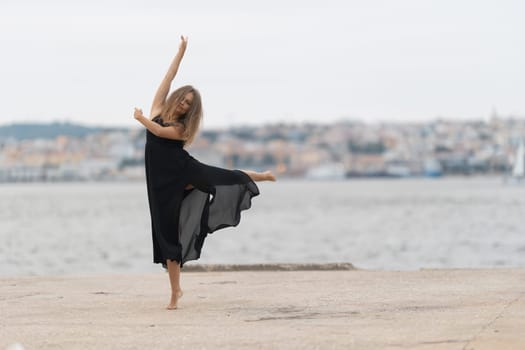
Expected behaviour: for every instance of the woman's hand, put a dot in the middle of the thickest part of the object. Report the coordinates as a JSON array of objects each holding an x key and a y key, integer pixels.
[
  {"x": 138, "y": 113},
  {"x": 183, "y": 43}
]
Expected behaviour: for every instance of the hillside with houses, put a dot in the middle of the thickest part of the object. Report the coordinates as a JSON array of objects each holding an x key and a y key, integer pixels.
[{"x": 69, "y": 152}]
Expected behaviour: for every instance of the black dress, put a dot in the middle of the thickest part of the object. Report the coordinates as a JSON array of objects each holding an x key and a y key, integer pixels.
[{"x": 181, "y": 219}]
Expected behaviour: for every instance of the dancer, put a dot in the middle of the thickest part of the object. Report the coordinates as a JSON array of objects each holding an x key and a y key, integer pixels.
[{"x": 187, "y": 199}]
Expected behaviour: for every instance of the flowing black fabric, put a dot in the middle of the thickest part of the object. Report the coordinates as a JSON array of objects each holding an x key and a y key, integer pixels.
[{"x": 181, "y": 219}]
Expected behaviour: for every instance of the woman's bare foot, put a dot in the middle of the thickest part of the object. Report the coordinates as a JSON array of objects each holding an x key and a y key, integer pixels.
[
  {"x": 269, "y": 176},
  {"x": 256, "y": 176},
  {"x": 174, "y": 299}
]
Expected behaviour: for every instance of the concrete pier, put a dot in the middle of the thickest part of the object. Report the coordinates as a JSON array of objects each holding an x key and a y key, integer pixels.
[{"x": 287, "y": 307}]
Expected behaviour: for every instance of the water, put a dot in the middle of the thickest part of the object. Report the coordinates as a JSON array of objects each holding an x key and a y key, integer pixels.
[{"x": 82, "y": 228}]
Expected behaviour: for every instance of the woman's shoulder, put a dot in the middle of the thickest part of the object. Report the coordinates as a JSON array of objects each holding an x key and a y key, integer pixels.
[{"x": 158, "y": 120}]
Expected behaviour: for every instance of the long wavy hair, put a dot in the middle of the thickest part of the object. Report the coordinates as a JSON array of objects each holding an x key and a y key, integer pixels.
[{"x": 192, "y": 119}]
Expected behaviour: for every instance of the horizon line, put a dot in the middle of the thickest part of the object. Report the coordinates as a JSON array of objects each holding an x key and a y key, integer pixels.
[{"x": 281, "y": 122}]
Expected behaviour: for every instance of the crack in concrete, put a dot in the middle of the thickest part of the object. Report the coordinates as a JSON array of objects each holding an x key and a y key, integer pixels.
[
  {"x": 307, "y": 315},
  {"x": 447, "y": 341},
  {"x": 491, "y": 322},
  {"x": 20, "y": 296},
  {"x": 430, "y": 342}
]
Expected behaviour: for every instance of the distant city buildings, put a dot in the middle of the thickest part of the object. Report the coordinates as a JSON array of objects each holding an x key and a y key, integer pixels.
[{"x": 335, "y": 151}]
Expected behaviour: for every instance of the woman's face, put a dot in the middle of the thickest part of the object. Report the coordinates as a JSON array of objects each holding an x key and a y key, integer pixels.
[{"x": 184, "y": 104}]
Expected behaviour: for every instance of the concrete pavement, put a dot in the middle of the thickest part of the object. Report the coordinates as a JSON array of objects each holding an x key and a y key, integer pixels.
[{"x": 279, "y": 308}]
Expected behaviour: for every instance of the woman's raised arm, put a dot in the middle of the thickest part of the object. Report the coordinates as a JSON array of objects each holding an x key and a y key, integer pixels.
[{"x": 164, "y": 88}]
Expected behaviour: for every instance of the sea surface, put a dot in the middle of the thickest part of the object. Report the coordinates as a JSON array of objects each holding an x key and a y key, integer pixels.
[{"x": 394, "y": 224}]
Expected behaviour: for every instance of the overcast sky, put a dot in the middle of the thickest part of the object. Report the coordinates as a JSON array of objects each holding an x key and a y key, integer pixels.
[{"x": 264, "y": 61}]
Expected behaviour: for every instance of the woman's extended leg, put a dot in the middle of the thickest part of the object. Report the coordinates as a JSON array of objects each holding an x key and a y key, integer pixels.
[
  {"x": 174, "y": 274},
  {"x": 256, "y": 176}
]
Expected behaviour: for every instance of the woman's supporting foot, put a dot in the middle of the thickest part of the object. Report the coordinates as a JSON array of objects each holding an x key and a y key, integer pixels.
[
  {"x": 174, "y": 299},
  {"x": 174, "y": 274}
]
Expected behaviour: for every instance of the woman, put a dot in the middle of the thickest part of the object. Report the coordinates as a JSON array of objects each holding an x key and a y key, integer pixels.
[{"x": 187, "y": 199}]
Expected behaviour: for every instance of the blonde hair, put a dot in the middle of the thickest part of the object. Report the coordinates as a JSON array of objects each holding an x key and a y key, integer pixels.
[{"x": 191, "y": 119}]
